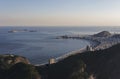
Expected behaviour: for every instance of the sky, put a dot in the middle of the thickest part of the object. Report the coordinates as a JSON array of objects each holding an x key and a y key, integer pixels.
[{"x": 59, "y": 12}]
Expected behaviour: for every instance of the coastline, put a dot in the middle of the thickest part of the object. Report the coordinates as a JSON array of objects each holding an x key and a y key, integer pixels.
[
  {"x": 93, "y": 44},
  {"x": 96, "y": 43}
]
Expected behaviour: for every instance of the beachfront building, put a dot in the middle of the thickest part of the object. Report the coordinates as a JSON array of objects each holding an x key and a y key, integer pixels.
[
  {"x": 52, "y": 61},
  {"x": 89, "y": 48}
]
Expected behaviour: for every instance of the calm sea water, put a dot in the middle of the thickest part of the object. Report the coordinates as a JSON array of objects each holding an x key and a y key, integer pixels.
[{"x": 40, "y": 46}]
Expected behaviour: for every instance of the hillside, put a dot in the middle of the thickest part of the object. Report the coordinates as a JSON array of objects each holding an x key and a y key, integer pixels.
[
  {"x": 16, "y": 67},
  {"x": 102, "y": 64}
]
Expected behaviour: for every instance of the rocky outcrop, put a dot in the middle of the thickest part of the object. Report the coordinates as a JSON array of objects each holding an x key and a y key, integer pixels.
[
  {"x": 9, "y": 60},
  {"x": 17, "y": 67},
  {"x": 103, "y": 34}
]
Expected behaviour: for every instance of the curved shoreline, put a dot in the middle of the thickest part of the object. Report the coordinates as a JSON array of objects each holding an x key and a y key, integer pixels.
[
  {"x": 96, "y": 43},
  {"x": 93, "y": 44}
]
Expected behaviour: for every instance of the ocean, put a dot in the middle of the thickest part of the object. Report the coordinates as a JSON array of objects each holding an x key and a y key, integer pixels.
[{"x": 39, "y": 44}]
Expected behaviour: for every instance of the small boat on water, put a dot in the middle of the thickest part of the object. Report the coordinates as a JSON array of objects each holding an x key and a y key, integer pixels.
[
  {"x": 12, "y": 31},
  {"x": 32, "y": 31}
]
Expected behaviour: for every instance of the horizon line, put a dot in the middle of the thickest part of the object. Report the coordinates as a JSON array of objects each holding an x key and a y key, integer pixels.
[{"x": 59, "y": 26}]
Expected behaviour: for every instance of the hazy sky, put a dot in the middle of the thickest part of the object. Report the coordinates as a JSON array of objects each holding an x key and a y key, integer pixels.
[{"x": 59, "y": 12}]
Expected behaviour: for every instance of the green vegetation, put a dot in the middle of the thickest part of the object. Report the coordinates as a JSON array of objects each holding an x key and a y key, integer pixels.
[
  {"x": 16, "y": 67},
  {"x": 20, "y": 71},
  {"x": 102, "y": 64},
  {"x": 69, "y": 68}
]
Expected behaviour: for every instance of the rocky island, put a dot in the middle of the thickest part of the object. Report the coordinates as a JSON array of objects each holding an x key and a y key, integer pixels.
[{"x": 24, "y": 30}]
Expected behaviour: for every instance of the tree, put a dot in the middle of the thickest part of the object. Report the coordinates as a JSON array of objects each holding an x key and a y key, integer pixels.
[{"x": 23, "y": 71}]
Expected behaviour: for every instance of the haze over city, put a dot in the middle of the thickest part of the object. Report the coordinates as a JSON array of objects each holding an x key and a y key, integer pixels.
[{"x": 59, "y": 12}]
